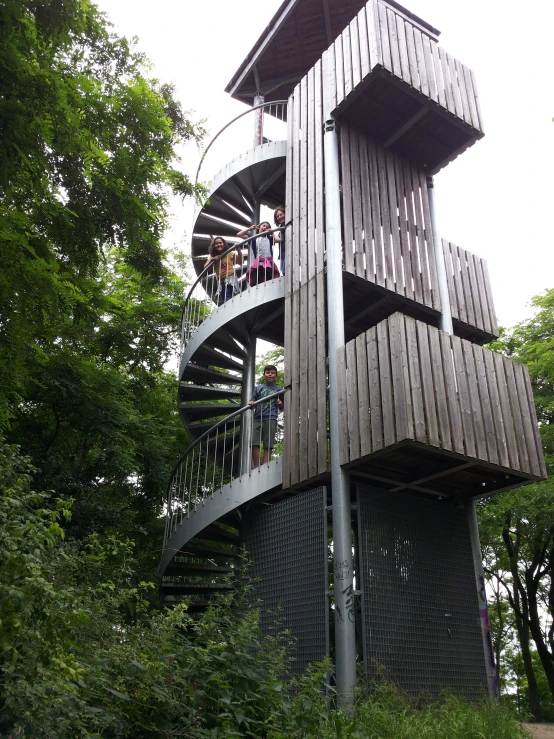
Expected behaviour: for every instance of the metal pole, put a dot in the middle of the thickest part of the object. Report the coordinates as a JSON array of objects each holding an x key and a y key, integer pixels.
[
  {"x": 345, "y": 635},
  {"x": 492, "y": 679},
  {"x": 248, "y": 380},
  {"x": 446, "y": 315},
  {"x": 259, "y": 121},
  {"x": 446, "y": 325}
]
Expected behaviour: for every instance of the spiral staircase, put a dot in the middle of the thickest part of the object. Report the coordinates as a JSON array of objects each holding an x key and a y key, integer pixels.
[{"x": 215, "y": 380}]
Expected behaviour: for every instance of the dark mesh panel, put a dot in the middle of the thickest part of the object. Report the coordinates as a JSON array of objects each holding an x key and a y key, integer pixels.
[
  {"x": 419, "y": 604},
  {"x": 287, "y": 545}
]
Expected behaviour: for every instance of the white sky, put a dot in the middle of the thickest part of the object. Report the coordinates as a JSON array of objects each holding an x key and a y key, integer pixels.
[{"x": 496, "y": 199}]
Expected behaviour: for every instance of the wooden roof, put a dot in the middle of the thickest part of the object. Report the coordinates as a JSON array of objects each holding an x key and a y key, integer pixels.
[{"x": 293, "y": 41}]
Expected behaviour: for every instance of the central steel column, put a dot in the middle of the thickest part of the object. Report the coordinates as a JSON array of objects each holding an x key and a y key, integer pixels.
[
  {"x": 345, "y": 635},
  {"x": 446, "y": 325},
  {"x": 258, "y": 121}
]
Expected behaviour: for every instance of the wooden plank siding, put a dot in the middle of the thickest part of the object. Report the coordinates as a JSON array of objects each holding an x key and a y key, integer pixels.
[
  {"x": 469, "y": 290},
  {"x": 305, "y": 432},
  {"x": 387, "y": 230},
  {"x": 408, "y": 381},
  {"x": 381, "y": 38}
]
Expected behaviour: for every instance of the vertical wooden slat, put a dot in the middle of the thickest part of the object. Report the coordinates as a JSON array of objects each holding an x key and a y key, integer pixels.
[
  {"x": 463, "y": 91},
  {"x": 412, "y": 230},
  {"x": 430, "y": 243},
  {"x": 348, "y": 235},
  {"x": 343, "y": 409},
  {"x": 421, "y": 237},
  {"x": 463, "y": 398},
  {"x": 403, "y": 49},
  {"x": 450, "y": 279},
  {"x": 480, "y": 440},
  {"x": 451, "y": 64},
  {"x": 468, "y": 297},
  {"x": 374, "y": 384},
  {"x": 287, "y": 452},
  {"x": 412, "y": 57},
  {"x": 303, "y": 389},
  {"x": 304, "y": 181},
  {"x": 355, "y": 162},
  {"x": 437, "y": 66},
  {"x": 393, "y": 42},
  {"x": 310, "y": 178},
  {"x": 486, "y": 406},
  {"x": 295, "y": 392},
  {"x": 394, "y": 226},
  {"x": 313, "y": 409},
  {"x": 525, "y": 410},
  {"x": 365, "y": 66},
  {"x": 386, "y": 383},
  {"x": 380, "y": 278},
  {"x": 430, "y": 68},
  {"x": 321, "y": 377},
  {"x": 295, "y": 257},
  {"x": 352, "y": 403},
  {"x": 471, "y": 97},
  {"x": 506, "y": 411},
  {"x": 424, "y": 82},
  {"x": 483, "y": 295},
  {"x": 373, "y": 34},
  {"x": 499, "y": 431},
  {"x": 534, "y": 423},
  {"x": 363, "y": 394},
  {"x": 452, "y": 399},
  {"x": 355, "y": 51},
  {"x": 406, "y": 257},
  {"x": 433, "y": 438},
  {"x": 319, "y": 188},
  {"x": 440, "y": 389},
  {"x": 339, "y": 69},
  {"x": 400, "y": 378},
  {"x": 474, "y": 286},
  {"x": 476, "y": 97},
  {"x": 490, "y": 302},
  {"x": 347, "y": 61},
  {"x": 420, "y": 428},
  {"x": 367, "y": 211},
  {"x": 384, "y": 36},
  {"x": 385, "y": 217},
  {"x": 447, "y": 81}
]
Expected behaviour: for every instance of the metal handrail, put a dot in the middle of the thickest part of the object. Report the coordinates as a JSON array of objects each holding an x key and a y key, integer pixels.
[
  {"x": 193, "y": 486},
  {"x": 210, "y": 266},
  {"x": 226, "y": 126}
]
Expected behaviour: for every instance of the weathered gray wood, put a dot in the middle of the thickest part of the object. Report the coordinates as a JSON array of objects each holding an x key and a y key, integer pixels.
[
  {"x": 295, "y": 256},
  {"x": 363, "y": 394},
  {"x": 400, "y": 378},
  {"x": 393, "y": 42},
  {"x": 321, "y": 377},
  {"x": 440, "y": 389},
  {"x": 384, "y": 36},
  {"x": 403, "y": 49},
  {"x": 452, "y": 400},
  {"x": 463, "y": 91},
  {"x": 367, "y": 214},
  {"x": 288, "y": 200},
  {"x": 412, "y": 57},
  {"x": 358, "y": 226},
  {"x": 352, "y": 402},
  {"x": 312, "y": 378},
  {"x": 406, "y": 256},
  {"x": 525, "y": 410},
  {"x": 287, "y": 452},
  {"x": 466, "y": 286},
  {"x": 380, "y": 277},
  {"x": 394, "y": 225},
  {"x": 365, "y": 66},
  {"x": 534, "y": 423},
  {"x": 429, "y": 68},
  {"x": 437, "y": 66},
  {"x": 422, "y": 237},
  {"x": 476, "y": 97},
  {"x": 373, "y": 34},
  {"x": 424, "y": 83},
  {"x": 490, "y": 301},
  {"x": 355, "y": 51},
  {"x": 385, "y": 217},
  {"x": 506, "y": 411},
  {"x": 458, "y": 285},
  {"x": 374, "y": 383},
  {"x": 343, "y": 411},
  {"x": 339, "y": 69},
  {"x": 389, "y": 430},
  {"x": 429, "y": 240},
  {"x": 474, "y": 287},
  {"x": 412, "y": 230},
  {"x": 347, "y": 61},
  {"x": 433, "y": 438},
  {"x": 484, "y": 295},
  {"x": 447, "y": 81},
  {"x": 319, "y": 188},
  {"x": 451, "y": 63},
  {"x": 450, "y": 279},
  {"x": 294, "y": 393},
  {"x": 310, "y": 178},
  {"x": 463, "y": 398},
  {"x": 471, "y": 97},
  {"x": 499, "y": 432},
  {"x": 486, "y": 407},
  {"x": 478, "y": 425},
  {"x": 420, "y": 428},
  {"x": 348, "y": 234}
]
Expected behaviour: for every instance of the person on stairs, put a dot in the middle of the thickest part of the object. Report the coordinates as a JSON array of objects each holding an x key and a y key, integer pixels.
[
  {"x": 264, "y": 427},
  {"x": 227, "y": 282},
  {"x": 263, "y": 267},
  {"x": 279, "y": 218}
]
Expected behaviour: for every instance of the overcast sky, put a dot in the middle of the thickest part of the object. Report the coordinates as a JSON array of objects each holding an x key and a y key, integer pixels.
[{"x": 496, "y": 199}]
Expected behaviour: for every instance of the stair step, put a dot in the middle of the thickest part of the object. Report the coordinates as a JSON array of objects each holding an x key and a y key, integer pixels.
[
  {"x": 213, "y": 532},
  {"x": 191, "y": 588},
  {"x": 221, "y": 209},
  {"x": 207, "y": 225},
  {"x": 223, "y": 340},
  {"x": 205, "y": 550},
  {"x": 193, "y": 393},
  {"x": 211, "y": 410},
  {"x": 206, "y": 356},
  {"x": 234, "y": 196},
  {"x": 198, "y": 427},
  {"x": 190, "y": 568},
  {"x": 199, "y": 375}
]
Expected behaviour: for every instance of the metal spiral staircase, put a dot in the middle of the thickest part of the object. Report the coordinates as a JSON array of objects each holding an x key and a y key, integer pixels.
[{"x": 215, "y": 381}]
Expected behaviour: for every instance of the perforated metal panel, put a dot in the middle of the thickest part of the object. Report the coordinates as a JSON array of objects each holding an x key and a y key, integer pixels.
[
  {"x": 419, "y": 604},
  {"x": 287, "y": 545}
]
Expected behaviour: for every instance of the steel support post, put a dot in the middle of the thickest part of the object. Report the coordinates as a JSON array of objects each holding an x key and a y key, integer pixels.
[
  {"x": 248, "y": 380},
  {"x": 446, "y": 312},
  {"x": 345, "y": 635},
  {"x": 258, "y": 121},
  {"x": 446, "y": 325},
  {"x": 492, "y": 679}
]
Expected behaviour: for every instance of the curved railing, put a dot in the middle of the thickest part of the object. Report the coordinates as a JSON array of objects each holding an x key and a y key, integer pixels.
[
  {"x": 222, "y": 454},
  {"x": 207, "y": 284},
  {"x": 277, "y": 109}
]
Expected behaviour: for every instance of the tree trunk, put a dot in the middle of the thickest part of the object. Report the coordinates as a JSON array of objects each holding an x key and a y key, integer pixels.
[{"x": 536, "y": 632}]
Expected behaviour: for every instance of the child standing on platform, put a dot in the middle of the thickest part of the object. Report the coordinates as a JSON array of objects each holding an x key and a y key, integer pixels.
[
  {"x": 264, "y": 427},
  {"x": 227, "y": 282},
  {"x": 263, "y": 268},
  {"x": 279, "y": 218}
]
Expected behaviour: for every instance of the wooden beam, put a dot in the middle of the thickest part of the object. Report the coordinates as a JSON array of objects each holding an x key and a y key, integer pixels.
[
  {"x": 330, "y": 38},
  {"x": 406, "y": 126},
  {"x": 366, "y": 311},
  {"x": 434, "y": 476}
]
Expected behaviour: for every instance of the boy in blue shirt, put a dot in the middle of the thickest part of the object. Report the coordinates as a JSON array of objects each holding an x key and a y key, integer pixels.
[{"x": 264, "y": 427}]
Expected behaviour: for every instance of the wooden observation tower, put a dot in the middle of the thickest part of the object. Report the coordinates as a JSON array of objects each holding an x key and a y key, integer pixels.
[{"x": 396, "y": 419}]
